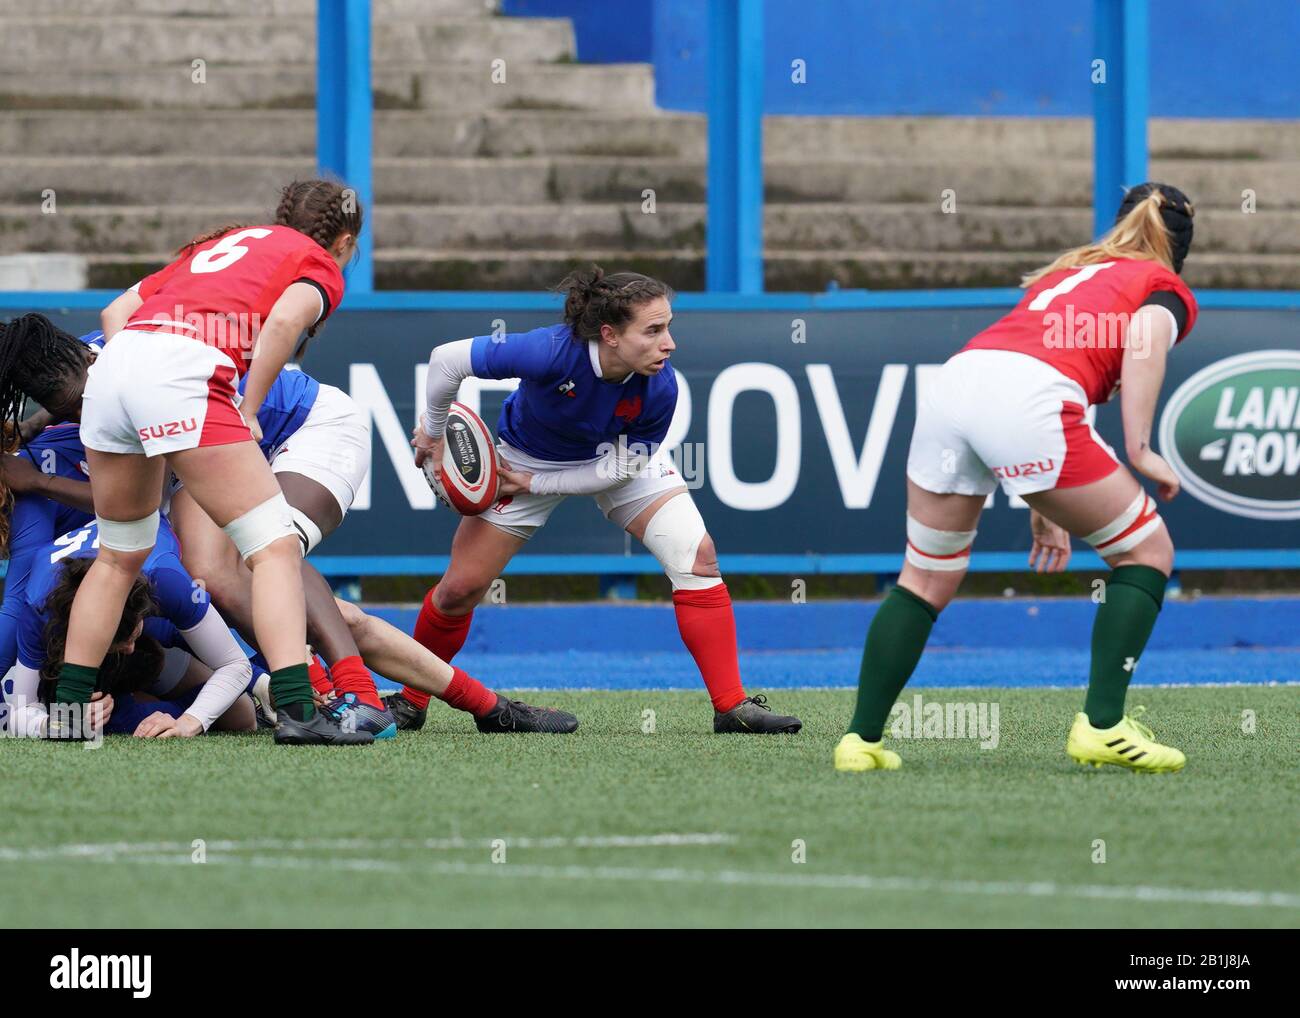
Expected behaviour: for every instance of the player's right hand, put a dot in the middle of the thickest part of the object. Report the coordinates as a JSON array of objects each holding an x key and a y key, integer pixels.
[
  {"x": 1153, "y": 467},
  {"x": 253, "y": 426},
  {"x": 426, "y": 448},
  {"x": 101, "y": 709}
]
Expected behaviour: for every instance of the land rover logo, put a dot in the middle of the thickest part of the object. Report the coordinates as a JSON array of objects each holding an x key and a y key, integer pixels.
[{"x": 1232, "y": 433}]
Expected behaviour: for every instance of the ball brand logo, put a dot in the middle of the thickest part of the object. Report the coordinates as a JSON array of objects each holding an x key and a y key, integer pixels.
[
  {"x": 462, "y": 449},
  {"x": 1026, "y": 469},
  {"x": 170, "y": 428},
  {"x": 1232, "y": 432}
]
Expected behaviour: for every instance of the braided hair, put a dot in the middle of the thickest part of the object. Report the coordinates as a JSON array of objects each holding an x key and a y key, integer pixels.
[
  {"x": 37, "y": 361},
  {"x": 593, "y": 299},
  {"x": 321, "y": 209}
]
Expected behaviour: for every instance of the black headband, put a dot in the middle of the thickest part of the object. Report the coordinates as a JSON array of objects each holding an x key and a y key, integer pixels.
[{"x": 1176, "y": 211}]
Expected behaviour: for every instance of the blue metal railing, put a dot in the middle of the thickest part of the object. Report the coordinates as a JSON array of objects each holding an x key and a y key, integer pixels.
[
  {"x": 343, "y": 116},
  {"x": 1121, "y": 86}
]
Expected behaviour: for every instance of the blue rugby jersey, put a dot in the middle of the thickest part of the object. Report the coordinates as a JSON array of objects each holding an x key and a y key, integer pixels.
[
  {"x": 35, "y": 521},
  {"x": 181, "y": 602},
  {"x": 563, "y": 409},
  {"x": 287, "y": 404}
]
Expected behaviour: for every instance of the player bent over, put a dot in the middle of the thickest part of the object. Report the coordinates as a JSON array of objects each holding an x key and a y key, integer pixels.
[
  {"x": 596, "y": 396},
  {"x": 164, "y": 608},
  {"x": 1010, "y": 407}
]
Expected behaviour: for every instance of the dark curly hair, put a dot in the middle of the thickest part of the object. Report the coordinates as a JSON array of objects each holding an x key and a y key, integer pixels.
[
  {"x": 593, "y": 299},
  {"x": 140, "y": 604}
]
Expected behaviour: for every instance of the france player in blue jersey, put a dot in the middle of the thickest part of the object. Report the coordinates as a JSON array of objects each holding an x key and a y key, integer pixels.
[
  {"x": 54, "y": 457},
  {"x": 595, "y": 401},
  {"x": 165, "y": 606}
]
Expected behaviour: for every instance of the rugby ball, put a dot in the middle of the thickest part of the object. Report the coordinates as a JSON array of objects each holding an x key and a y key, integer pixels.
[{"x": 467, "y": 478}]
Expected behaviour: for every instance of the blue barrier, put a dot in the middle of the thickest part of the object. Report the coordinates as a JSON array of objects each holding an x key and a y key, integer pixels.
[{"x": 1207, "y": 623}]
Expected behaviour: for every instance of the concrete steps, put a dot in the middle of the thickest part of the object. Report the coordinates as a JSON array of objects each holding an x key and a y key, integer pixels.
[
  {"x": 562, "y": 178},
  {"x": 541, "y": 226},
  {"x": 510, "y": 269},
  {"x": 94, "y": 43},
  {"x": 491, "y": 184},
  {"x": 437, "y": 85},
  {"x": 305, "y": 9},
  {"x": 1248, "y": 145}
]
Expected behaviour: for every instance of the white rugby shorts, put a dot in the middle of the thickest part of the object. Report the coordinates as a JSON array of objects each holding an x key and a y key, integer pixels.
[{"x": 990, "y": 416}]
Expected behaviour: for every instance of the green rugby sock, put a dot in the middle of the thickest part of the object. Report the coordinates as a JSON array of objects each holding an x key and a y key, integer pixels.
[
  {"x": 291, "y": 692},
  {"x": 76, "y": 683},
  {"x": 895, "y": 641},
  {"x": 1124, "y": 622}
]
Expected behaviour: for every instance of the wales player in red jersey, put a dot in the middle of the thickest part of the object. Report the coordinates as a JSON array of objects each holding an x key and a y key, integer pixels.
[
  {"x": 162, "y": 394},
  {"x": 1011, "y": 408}
]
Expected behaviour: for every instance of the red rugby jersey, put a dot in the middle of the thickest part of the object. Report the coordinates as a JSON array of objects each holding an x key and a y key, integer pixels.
[
  {"x": 1077, "y": 319},
  {"x": 223, "y": 290}
]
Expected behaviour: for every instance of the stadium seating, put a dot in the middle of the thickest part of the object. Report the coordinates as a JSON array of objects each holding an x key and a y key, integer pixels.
[{"x": 485, "y": 185}]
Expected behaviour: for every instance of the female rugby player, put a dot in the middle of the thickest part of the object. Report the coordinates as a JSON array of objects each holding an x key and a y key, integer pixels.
[
  {"x": 43, "y": 489},
  {"x": 163, "y": 393},
  {"x": 1010, "y": 407},
  {"x": 163, "y": 604},
  {"x": 595, "y": 401}
]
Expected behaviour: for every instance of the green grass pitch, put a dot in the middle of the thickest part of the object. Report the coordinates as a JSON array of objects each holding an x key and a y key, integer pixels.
[{"x": 680, "y": 827}]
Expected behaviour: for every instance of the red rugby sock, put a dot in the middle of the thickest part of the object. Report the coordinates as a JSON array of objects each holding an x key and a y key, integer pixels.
[
  {"x": 320, "y": 678},
  {"x": 468, "y": 694},
  {"x": 708, "y": 628},
  {"x": 444, "y": 635},
  {"x": 352, "y": 676}
]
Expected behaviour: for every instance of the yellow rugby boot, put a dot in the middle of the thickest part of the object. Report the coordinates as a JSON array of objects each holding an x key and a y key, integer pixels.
[
  {"x": 853, "y": 754},
  {"x": 1128, "y": 744}
]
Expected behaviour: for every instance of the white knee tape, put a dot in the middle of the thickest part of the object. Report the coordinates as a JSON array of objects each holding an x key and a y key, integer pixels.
[
  {"x": 1133, "y": 526},
  {"x": 673, "y": 536},
  {"x": 260, "y": 526},
  {"x": 942, "y": 551},
  {"x": 134, "y": 535},
  {"x": 308, "y": 533}
]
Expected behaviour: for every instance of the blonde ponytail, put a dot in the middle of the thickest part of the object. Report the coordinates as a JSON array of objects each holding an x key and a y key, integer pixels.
[{"x": 1140, "y": 234}]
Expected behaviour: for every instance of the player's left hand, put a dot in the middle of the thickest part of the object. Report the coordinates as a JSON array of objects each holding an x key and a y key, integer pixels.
[
  {"x": 513, "y": 482},
  {"x": 1051, "y": 550},
  {"x": 253, "y": 425},
  {"x": 160, "y": 725}
]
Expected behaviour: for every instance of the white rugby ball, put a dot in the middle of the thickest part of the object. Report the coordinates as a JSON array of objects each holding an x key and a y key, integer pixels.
[{"x": 468, "y": 477}]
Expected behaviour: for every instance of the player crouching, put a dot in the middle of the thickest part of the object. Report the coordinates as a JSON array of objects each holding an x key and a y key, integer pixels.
[
  {"x": 1011, "y": 407},
  {"x": 596, "y": 392}
]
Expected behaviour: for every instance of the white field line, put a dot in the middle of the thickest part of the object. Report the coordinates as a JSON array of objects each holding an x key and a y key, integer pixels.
[
  {"x": 153, "y": 848},
  {"x": 735, "y": 878}
]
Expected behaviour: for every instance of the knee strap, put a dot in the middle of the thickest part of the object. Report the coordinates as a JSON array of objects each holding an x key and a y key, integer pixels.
[
  {"x": 941, "y": 551},
  {"x": 673, "y": 536},
  {"x": 131, "y": 535},
  {"x": 1129, "y": 529},
  {"x": 309, "y": 534},
  {"x": 261, "y": 525}
]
